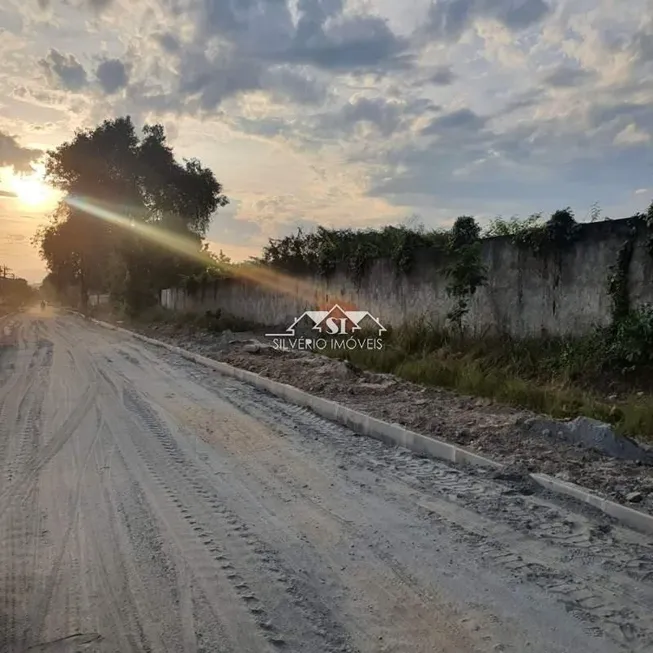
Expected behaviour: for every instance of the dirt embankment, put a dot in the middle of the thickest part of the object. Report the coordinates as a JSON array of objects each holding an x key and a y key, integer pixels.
[{"x": 480, "y": 425}]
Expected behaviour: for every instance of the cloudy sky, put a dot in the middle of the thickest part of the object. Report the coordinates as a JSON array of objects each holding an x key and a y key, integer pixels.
[{"x": 341, "y": 112}]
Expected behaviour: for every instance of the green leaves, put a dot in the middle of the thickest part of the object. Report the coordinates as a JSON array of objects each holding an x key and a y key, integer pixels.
[
  {"x": 137, "y": 180},
  {"x": 466, "y": 271},
  {"x": 327, "y": 250}
]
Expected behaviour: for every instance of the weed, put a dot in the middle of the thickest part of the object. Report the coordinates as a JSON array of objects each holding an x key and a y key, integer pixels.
[{"x": 562, "y": 377}]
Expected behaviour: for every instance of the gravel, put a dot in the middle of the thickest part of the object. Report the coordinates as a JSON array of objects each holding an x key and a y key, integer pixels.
[{"x": 495, "y": 430}]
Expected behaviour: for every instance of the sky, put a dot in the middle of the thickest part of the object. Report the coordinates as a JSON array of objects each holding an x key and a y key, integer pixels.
[{"x": 342, "y": 113}]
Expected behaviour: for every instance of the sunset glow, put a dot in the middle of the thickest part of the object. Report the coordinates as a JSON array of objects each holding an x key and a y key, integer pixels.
[{"x": 32, "y": 191}]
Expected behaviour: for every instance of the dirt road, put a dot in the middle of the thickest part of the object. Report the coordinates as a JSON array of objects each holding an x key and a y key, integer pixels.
[{"x": 148, "y": 504}]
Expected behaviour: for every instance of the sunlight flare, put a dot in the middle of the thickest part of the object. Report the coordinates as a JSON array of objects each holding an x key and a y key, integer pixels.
[
  {"x": 32, "y": 191},
  {"x": 273, "y": 280}
]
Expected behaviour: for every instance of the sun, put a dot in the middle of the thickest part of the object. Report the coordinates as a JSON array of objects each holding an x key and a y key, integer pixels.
[{"x": 32, "y": 191}]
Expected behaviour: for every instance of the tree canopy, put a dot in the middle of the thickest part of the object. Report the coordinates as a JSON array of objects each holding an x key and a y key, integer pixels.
[
  {"x": 132, "y": 219},
  {"x": 14, "y": 291}
]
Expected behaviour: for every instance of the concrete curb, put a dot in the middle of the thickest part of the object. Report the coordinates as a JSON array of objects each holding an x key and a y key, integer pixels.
[
  {"x": 629, "y": 516},
  {"x": 394, "y": 434}
]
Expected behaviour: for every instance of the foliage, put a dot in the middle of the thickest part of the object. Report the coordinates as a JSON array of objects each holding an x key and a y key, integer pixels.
[
  {"x": 217, "y": 266},
  {"x": 14, "y": 291},
  {"x": 109, "y": 172},
  {"x": 326, "y": 250},
  {"x": 630, "y": 340},
  {"x": 618, "y": 280},
  {"x": 563, "y": 377},
  {"x": 648, "y": 223},
  {"x": 595, "y": 212},
  {"x": 466, "y": 271},
  {"x": 513, "y": 227},
  {"x": 542, "y": 238}
]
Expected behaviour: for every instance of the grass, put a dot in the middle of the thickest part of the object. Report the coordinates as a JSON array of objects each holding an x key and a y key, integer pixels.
[
  {"x": 563, "y": 378},
  {"x": 213, "y": 321}
]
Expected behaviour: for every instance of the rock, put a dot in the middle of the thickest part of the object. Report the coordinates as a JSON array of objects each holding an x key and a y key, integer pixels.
[
  {"x": 256, "y": 347},
  {"x": 514, "y": 473},
  {"x": 634, "y": 497},
  {"x": 600, "y": 436},
  {"x": 591, "y": 434},
  {"x": 344, "y": 370}
]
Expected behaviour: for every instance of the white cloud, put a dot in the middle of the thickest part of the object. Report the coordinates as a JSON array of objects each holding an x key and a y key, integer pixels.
[
  {"x": 631, "y": 135},
  {"x": 352, "y": 112}
]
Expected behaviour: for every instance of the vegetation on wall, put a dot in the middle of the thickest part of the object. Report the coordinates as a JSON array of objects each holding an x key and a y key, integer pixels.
[
  {"x": 327, "y": 250},
  {"x": 618, "y": 278},
  {"x": 543, "y": 238},
  {"x": 218, "y": 266},
  {"x": 465, "y": 271},
  {"x": 629, "y": 338}
]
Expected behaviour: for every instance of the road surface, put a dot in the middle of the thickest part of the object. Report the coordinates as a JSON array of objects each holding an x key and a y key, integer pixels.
[{"x": 149, "y": 504}]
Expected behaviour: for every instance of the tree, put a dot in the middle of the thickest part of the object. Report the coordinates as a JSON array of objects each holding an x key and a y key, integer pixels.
[
  {"x": 14, "y": 291},
  {"x": 113, "y": 180}
]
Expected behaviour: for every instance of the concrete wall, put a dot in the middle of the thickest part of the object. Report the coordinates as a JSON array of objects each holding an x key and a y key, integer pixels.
[
  {"x": 96, "y": 299},
  {"x": 525, "y": 294}
]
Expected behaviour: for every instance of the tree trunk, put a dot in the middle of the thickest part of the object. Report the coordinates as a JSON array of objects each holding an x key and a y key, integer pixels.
[{"x": 83, "y": 291}]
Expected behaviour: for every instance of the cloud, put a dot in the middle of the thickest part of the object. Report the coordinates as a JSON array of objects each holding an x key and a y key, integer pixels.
[
  {"x": 12, "y": 154},
  {"x": 641, "y": 44},
  {"x": 387, "y": 116},
  {"x": 631, "y": 135},
  {"x": 64, "y": 70},
  {"x": 214, "y": 79},
  {"x": 168, "y": 42},
  {"x": 112, "y": 75},
  {"x": 228, "y": 228},
  {"x": 460, "y": 120},
  {"x": 449, "y": 19},
  {"x": 93, "y": 4},
  {"x": 297, "y": 84},
  {"x": 6, "y": 193},
  {"x": 323, "y": 36},
  {"x": 442, "y": 76},
  {"x": 565, "y": 77},
  {"x": 358, "y": 43},
  {"x": 467, "y": 105}
]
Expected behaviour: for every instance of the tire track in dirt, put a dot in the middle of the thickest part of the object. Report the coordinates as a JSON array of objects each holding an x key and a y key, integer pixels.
[
  {"x": 245, "y": 559},
  {"x": 21, "y": 529},
  {"x": 36, "y": 462},
  {"x": 283, "y": 532},
  {"x": 207, "y": 568},
  {"x": 591, "y": 595}
]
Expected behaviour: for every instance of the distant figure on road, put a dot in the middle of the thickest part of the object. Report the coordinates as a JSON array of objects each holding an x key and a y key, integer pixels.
[{"x": 43, "y": 304}]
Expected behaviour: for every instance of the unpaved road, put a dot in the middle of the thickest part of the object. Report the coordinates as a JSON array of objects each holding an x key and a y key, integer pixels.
[{"x": 148, "y": 504}]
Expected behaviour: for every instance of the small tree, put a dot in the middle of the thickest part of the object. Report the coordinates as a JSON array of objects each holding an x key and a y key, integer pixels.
[{"x": 466, "y": 271}]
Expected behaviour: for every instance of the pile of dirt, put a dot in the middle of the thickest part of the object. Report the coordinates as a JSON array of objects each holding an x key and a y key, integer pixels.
[{"x": 494, "y": 430}]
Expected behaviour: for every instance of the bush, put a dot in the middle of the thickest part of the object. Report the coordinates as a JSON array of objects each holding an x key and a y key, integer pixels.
[{"x": 630, "y": 340}]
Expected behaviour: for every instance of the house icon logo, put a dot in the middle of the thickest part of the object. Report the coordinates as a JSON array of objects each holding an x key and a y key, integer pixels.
[{"x": 321, "y": 329}]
